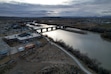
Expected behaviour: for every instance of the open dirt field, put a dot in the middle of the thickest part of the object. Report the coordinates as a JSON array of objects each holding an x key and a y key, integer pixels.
[{"x": 45, "y": 60}]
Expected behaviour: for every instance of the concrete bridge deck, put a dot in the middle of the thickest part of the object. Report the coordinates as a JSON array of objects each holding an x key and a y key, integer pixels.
[{"x": 44, "y": 26}]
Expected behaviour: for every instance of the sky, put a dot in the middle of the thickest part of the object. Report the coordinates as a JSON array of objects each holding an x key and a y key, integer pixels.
[{"x": 50, "y": 8}]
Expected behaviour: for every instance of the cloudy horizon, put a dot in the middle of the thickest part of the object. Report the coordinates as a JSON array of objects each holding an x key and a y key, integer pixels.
[{"x": 42, "y": 8}]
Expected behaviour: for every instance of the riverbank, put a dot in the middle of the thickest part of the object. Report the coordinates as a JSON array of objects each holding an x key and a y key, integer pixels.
[
  {"x": 44, "y": 59},
  {"x": 41, "y": 51},
  {"x": 106, "y": 36},
  {"x": 75, "y": 31},
  {"x": 104, "y": 32},
  {"x": 93, "y": 24},
  {"x": 90, "y": 63}
]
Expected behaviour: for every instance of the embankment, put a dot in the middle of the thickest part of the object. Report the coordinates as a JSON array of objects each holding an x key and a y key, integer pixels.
[
  {"x": 90, "y": 63},
  {"x": 106, "y": 36},
  {"x": 75, "y": 31}
]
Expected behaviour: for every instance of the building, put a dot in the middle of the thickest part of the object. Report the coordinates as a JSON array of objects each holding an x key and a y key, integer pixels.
[{"x": 23, "y": 36}]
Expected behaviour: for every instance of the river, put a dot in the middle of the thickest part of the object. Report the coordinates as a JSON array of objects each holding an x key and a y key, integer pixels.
[{"x": 91, "y": 44}]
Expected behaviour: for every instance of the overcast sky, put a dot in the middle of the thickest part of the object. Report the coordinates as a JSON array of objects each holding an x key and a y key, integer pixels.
[{"x": 41, "y": 8}]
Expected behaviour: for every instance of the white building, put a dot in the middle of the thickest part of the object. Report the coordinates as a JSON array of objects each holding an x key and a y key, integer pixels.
[{"x": 23, "y": 36}]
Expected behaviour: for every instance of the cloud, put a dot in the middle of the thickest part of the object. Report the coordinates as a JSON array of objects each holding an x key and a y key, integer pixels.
[
  {"x": 75, "y": 8},
  {"x": 42, "y": 2},
  {"x": 102, "y": 1}
]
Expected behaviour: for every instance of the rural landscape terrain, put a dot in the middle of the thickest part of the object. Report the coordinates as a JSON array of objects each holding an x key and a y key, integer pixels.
[
  {"x": 41, "y": 55},
  {"x": 55, "y": 36}
]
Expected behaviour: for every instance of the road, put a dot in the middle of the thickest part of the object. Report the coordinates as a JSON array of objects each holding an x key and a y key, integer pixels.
[{"x": 73, "y": 57}]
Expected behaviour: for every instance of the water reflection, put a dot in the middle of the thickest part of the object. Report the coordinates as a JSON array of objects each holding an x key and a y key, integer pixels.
[{"x": 90, "y": 43}]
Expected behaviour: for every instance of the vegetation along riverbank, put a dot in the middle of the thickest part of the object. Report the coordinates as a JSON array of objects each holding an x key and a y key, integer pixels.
[
  {"x": 91, "y": 63},
  {"x": 75, "y": 31}
]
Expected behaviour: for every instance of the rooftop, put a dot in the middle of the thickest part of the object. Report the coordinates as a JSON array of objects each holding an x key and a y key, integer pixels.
[{"x": 23, "y": 36}]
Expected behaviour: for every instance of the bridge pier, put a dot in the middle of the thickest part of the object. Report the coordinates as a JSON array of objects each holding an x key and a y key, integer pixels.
[
  {"x": 41, "y": 30},
  {"x": 56, "y": 27},
  {"x": 51, "y": 28},
  {"x": 47, "y": 29},
  {"x": 63, "y": 27}
]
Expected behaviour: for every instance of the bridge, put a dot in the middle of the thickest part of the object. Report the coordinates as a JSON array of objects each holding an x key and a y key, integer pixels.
[{"x": 47, "y": 28}]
